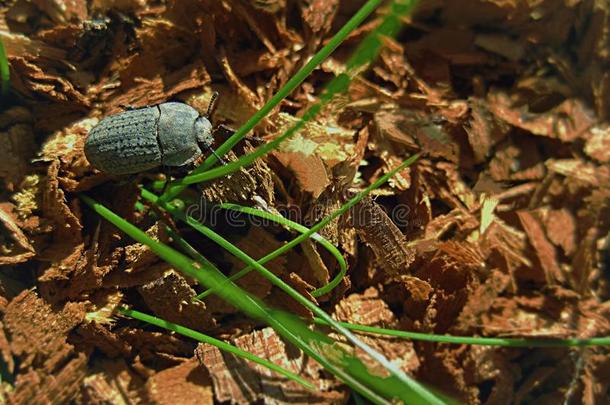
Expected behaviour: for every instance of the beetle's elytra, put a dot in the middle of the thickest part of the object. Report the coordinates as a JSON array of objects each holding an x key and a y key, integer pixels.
[{"x": 168, "y": 134}]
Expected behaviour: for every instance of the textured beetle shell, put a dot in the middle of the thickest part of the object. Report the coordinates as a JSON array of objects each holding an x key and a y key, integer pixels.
[
  {"x": 125, "y": 143},
  {"x": 177, "y": 134},
  {"x": 169, "y": 134}
]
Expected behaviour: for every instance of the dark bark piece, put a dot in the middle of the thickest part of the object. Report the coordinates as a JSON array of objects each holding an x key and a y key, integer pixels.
[
  {"x": 171, "y": 298},
  {"x": 50, "y": 370},
  {"x": 188, "y": 384},
  {"x": 243, "y": 382}
]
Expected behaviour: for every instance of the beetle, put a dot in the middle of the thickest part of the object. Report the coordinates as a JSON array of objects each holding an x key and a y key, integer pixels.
[{"x": 168, "y": 135}]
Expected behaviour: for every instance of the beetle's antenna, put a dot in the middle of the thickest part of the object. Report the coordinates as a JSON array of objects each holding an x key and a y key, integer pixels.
[
  {"x": 211, "y": 110},
  {"x": 212, "y": 106}
]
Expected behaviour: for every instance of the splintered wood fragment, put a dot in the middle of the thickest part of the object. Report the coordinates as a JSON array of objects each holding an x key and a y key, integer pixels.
[
  {"x": 50, "y": 370},
  {"x": 243, "y": 382},
  {"x": 238, "y": 187},
  {"x": 544, "y": 249},
  {"x": 185, "y": 384},
  {"x": 370, "y": 309},
  {"x": 598, "y": 144},
  {"x": 113, "y": 382},
  {"x": 269, "y": 6},
  {"x": 18, "y": 249},
  {"x": 240, "y": 87},
  {"x": 365, "y": 309},
  {"x": 482, "y": 299},
  {"x": 171, "y": 298},
  {"x": 378, "y": 231},
  {"x": 319, "y": 15},
  {"x": 17, "y": 146}
]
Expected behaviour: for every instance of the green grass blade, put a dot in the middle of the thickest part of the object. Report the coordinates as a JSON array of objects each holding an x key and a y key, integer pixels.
[
  {"x": 392, "y": 386},
  {"x": 225, "y": 244},
  {"x": 293, "y": 83},
  {"x": 469, "y": 340},
  {"x": 369, "y": 47},
  {"x": 355, "y": 200},
  {"x": 295, "y": 325},
  {"x": 316, "y": 228},
  {"x": 304, "y": 331},
  {"x": 224, "y": 346},
  {"x": 4, "y": 71},
  {"x": 398, "y": 374},
  {"x": 338, "y": 85},
  {"x": 365, "y": 53},
  {"x": 298, "y": 336},
  {"x": 297, "y": 227}
]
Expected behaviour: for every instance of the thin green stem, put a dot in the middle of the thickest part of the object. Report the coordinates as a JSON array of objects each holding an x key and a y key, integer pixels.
[
  {"x": 355, "y": 200},
  {"x": 370, "y": 6},
  {"x": 193, "y": 334},
  {"x": 397, "y": 373},
  {"x": 4, "y": 71},
  {"x": 240, "y": 299},
  {"x": 297, "y": 227},
  {"x": 469, "y": 340}
]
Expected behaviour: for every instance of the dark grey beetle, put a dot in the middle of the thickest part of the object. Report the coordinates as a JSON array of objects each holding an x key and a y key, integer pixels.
[{"x": 170, "y": 135}]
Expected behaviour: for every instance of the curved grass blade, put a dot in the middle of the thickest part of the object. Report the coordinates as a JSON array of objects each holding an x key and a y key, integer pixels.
[
  {"x": 355, "y": 200},
  {"x": 391, "y": 386},
  {"x": 301, "y": 337},
  {"x": 297, "y": 227},
  {"x": 469, "y": 340},
  {"x": 406, "y": 381},
  {"x": 224, "y": 346}
]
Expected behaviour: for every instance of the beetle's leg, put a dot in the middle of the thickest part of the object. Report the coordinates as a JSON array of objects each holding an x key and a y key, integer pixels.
[{"x": 212, "y": 106}]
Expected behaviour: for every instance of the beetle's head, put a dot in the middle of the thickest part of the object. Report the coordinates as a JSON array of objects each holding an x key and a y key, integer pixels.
[{"x": 203, "y": 131}]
